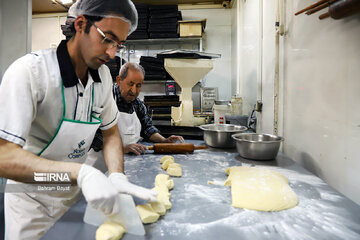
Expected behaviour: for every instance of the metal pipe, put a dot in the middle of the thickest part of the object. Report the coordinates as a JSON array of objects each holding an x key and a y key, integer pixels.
[
  {"x": 238, "y": 51},
  {"x": 260, "y": 54},
  {"x": 280, "y": 31}
]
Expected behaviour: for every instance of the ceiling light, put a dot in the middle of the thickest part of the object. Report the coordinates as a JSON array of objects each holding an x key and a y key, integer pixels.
[{"x": 66, "y": 1}]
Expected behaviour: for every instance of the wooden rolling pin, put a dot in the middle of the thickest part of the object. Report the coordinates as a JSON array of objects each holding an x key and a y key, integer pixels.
[{"x": 175, "y": 147}]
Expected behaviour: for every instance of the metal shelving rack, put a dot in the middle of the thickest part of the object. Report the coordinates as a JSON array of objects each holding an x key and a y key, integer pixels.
[
  {"x": 144, "y": 44},
  {"x": 133, "y": 45}
]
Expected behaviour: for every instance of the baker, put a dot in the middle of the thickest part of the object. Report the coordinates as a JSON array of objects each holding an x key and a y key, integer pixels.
[
  {"x": 51, "y": 104},
  {"x": 135, "y": 121}
]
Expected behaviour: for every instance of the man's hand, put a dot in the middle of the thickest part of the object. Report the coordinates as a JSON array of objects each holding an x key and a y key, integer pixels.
[
  {"x": 119, "y": 180},
  {"x": 97, "y": 189},
  {"x": 158, "y": 138},
  {"x": 135, "y": 148},
  {"x": 174, "y": 138}
]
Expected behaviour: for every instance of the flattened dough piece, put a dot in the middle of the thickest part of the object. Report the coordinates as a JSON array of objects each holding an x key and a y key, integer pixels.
[
  {"x": 110, "y": 231},
  {"x": 164, "y": 179},
  {"x": 167, "y": 162},
  {"x": 166, "y": 157},
  {"x": 174, "y": 169},
  {"x": 147, "y": 213},
  {"x": 245, "y": 171},
  {"x": 260, "y": 189}
]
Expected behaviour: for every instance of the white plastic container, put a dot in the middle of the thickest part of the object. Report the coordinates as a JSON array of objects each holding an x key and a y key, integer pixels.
[
  {"x": 124, "y": 213},
  {"x": 236, "y": 105},
  {"x": 221, "y": 108}
]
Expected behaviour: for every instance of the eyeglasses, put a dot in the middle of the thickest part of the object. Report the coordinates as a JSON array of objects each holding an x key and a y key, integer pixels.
[{"x": 109, "y": 42}]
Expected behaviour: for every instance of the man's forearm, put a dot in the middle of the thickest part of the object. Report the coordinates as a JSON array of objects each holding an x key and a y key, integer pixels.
[
  {"x": 157, "y": 137},
  {"x": 113, "y": 150},
  {"x": 19, "y": 165}
]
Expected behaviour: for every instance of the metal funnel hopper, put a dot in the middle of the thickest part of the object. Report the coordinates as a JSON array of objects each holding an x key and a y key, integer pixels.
[{"x": 187, "y": 72}]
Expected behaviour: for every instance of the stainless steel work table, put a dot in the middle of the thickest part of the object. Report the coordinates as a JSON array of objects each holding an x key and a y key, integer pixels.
[{"x": 203, "y": 211}]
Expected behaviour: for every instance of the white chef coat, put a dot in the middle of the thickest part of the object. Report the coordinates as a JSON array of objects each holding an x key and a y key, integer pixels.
[
  {"x": 31, "y": 103},
  {"x": 28, "y": 215},
  {"x": 31, "y": 100}
]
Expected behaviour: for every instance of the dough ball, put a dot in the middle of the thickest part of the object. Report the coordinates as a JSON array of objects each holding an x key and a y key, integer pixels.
[
  {"x": 174, "y": 169},
  {"x": 160, "y": 178},
  {"x": 110, "y": 231},
  {"x": 166, "y": 157},
  {"x": 147, "y": 213},
  {"x": 260, "y": 189},
  {"x": 166, "y": 163},
  {"x": 164, "y": 179}
]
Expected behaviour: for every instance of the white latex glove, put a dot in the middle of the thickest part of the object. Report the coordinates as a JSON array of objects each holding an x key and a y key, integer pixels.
[
  {"x": 120, "y": 181},
  {"x": 97, "y": 189}
]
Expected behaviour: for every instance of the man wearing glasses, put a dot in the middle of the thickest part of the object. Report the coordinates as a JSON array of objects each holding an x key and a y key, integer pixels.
[{"x": 51, "y": 104}]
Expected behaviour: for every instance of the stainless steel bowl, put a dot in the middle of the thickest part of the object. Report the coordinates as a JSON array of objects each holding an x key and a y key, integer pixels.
[
  {"x": 219, "y": 135},
  {"x": 257, "y": 146}
]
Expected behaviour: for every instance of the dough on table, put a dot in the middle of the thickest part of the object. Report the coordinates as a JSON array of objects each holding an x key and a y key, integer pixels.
[
  {"x": 147, "y": 213},
  {"x": 163, "y": 196},
  {"x": 167, "y": 162},
  {"x": 164, "y": 179},
  {"x": 158, "y": 207},
  {"x": 170, "y": 184},
  {"x": 166, "y": 157},
  {"x": 162, "y": 189},
  {"x": 260, "y": 189},
  {"x": 174, "y": 169},
  {"x": 150, "y": 212},
  {"x": 110, "y": 231}
]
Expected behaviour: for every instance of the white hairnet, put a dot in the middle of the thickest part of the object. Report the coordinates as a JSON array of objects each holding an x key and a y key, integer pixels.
[{"x": 122, "y": 9}]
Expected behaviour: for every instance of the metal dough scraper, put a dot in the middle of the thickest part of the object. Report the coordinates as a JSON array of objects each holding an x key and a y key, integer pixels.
[{"x": 124, "y": 213}]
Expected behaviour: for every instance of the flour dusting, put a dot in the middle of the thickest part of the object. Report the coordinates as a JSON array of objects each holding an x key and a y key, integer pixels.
[{"x": 203, "y": 211}]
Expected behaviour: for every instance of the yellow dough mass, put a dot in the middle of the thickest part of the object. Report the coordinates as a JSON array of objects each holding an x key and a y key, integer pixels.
[
  {"x": 167, "y": 162},
  {"x": 163, "y": 196},
  {"x": 164, "y": 179},
  {"x": 174, "y": 169},
  {"x": 110, "y": 231},
  {"x": 260, "y": 189},
  {"x": 147, "y": 213},
  {"x": 162, "y": 160},
  {"x": 150, "y": 212},
  {"x": 158, "y": 207}
]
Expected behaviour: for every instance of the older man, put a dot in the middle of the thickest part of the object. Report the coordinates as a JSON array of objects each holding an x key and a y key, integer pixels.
[{"x": 134, "y": 121}]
